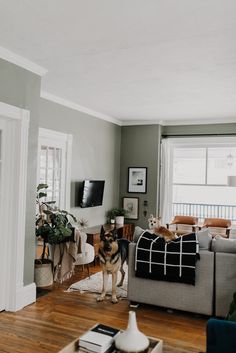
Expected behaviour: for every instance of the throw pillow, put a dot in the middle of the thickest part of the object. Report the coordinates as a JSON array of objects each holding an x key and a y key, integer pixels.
[
  {"x": 137, "y": 232},
  {"x": 220, "y": 244},
  {"x": 204, "y": 239}
]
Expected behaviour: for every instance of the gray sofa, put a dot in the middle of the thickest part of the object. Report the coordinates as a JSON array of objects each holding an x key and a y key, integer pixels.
[
  {"x": 214, "y": 285},
  {"x": 225, "y": 274}
]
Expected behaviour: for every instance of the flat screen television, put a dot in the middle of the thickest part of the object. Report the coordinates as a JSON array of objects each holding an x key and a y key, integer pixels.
[{"x": 91, "y": 193}]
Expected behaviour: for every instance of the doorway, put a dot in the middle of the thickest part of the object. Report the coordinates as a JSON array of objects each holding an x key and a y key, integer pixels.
[{"x": 14, "y": 123}]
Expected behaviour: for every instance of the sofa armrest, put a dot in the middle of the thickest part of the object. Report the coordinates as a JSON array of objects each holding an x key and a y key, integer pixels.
[{"x": 221, "y": 336}]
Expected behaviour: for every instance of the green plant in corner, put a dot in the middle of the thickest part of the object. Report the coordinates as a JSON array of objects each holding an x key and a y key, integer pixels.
[{"x": 52, "y": 224}]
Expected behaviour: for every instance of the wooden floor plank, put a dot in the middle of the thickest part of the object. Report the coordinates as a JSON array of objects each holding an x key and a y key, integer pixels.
[{"x": 59, "y": 317}]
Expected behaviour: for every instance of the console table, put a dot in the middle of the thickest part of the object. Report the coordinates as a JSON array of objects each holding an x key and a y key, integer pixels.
[{"x": 93, "y": 233}]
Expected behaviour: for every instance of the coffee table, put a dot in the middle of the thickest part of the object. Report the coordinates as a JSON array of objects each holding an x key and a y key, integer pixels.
[{"x": 156, "y": 346}]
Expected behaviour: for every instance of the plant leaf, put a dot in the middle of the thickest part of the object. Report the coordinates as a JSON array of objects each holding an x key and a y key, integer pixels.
[
  {"x": 42, "y": 194},
  {"x": 42, "y": 186}
]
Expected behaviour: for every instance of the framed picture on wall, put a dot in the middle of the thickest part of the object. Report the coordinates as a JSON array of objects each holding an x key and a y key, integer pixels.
[
  {"x": 131, "y": 205},
  {"x": 137, "y": 180}
]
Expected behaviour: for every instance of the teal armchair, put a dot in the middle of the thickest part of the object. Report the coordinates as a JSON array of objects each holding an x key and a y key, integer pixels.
[{"x": 221, "y": 336}]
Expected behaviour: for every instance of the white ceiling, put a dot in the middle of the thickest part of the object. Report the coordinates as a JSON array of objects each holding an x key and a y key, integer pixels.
[{"x": 168, "y": 61}]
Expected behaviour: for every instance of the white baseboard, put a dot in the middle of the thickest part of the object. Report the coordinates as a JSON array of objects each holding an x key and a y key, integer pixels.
[{"x": 24, "y": 296}]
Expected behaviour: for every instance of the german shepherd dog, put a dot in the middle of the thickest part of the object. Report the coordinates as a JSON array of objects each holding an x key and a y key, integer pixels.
[{"x": 112, "y": 253}]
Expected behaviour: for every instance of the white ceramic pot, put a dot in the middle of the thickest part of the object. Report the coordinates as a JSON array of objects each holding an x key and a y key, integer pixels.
[
  {"x": 132, "y": 340},
  {"x": 120, "y": 220}
]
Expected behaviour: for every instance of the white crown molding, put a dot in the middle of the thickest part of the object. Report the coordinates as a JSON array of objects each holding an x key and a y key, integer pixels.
[
  {"x": 18, "y": 60},
  {"x": 80, "y": 108},
  {"x": 179, "y": 122},
  {"x": 222, "y": 120},
  {"x": 141, "y": 122}
]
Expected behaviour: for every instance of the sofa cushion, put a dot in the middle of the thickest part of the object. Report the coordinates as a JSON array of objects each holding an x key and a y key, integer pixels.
[
  {"x": 204, "y": 239},
  {"x": 220, "y": 244},
  {"x": 137, "y": 232}
]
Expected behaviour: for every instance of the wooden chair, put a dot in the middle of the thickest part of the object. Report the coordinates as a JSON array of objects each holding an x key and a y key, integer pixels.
[
  {"x": 217, "y": 226},
  {"x": 183, "y": 224}
]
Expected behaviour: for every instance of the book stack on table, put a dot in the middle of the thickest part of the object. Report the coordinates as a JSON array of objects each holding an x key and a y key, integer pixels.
[{"x": 99, "y": 339}]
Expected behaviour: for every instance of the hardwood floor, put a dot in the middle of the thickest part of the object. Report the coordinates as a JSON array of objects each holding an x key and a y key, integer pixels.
[{"x": 59, "y": 317}]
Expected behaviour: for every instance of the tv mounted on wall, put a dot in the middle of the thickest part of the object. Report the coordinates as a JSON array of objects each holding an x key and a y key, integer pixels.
[{"x": 91, "y": 194}]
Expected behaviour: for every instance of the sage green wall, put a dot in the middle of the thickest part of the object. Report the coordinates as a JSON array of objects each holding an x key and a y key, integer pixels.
[
  {"x": 95, "y": 155},
  {"x": 208, "y": 129},
  {"x": 21, "y": 88},
  {"x": 140, "y": 148}
]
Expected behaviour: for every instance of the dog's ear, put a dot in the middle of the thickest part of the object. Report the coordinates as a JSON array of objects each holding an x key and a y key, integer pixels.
[
  {"x": 102, "y": 233},
  {"x": 150, "y": 218}
]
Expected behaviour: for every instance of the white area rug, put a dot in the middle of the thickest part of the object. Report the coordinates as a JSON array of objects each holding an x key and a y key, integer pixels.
[{"x": 94, "y": 285}]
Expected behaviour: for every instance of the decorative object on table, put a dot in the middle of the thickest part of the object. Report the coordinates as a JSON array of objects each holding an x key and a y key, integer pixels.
[
  {"x": 98, "y": 339},
  {"x": 53, "y": 227},
  {"x": 132, "y": 340},
  {"x": 117, "y": 214},
  {"x": 131, "y": 205},
  {"x": 137, "y": 180}
]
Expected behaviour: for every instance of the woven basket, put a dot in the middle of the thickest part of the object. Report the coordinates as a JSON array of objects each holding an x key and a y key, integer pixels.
[{"x": 43, "y": 275}]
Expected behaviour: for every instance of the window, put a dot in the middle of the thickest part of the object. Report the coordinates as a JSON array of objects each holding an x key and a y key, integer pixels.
[
  {"x": 197, "y": 177},
  {"x": 54, "y": 165},
  {"x": 50, "y": 171}
]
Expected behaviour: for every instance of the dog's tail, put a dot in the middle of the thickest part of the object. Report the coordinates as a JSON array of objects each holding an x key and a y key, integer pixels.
[{"x": 124, "y": 249}]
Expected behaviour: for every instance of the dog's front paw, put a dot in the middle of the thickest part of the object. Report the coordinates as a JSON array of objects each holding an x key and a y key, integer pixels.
[
  {"x": 100, "y": 298},
  {"x": 114, "y": 300}
]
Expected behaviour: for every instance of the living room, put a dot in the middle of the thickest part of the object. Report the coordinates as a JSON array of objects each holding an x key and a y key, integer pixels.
[{"x": 103, "y": 146}]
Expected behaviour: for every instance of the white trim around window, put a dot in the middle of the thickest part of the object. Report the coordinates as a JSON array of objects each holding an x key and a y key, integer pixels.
[{"x": 63, "y": 142}]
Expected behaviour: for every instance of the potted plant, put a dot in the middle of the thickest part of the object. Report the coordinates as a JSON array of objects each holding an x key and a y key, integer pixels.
[
  {"x": 52, "y": 227},
  {"x": 118, "y": 214}
]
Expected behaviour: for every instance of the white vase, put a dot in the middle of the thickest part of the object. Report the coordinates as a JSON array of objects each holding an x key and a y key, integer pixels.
[
  {"x": 120, "y": 220},
  {"x": 132, "y": 340}
]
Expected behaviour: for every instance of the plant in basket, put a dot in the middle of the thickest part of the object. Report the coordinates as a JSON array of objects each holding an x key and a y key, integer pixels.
[
  {"x": 52, "y": 224},
  {"x": 52, "y": 227}
]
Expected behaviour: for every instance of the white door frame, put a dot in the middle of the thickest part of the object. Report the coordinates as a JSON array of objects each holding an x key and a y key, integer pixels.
[
  {"x": 14, "y": 177},
  {"x": 3, "y": 247}
]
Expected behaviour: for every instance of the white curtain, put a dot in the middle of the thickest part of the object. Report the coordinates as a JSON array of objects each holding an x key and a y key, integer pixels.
[{"x": 166, "y": 180}]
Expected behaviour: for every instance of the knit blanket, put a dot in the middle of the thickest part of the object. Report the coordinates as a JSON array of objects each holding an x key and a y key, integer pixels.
[
  {"x": 174, "y": 261},
  {"x": 64, "y": 257}
]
